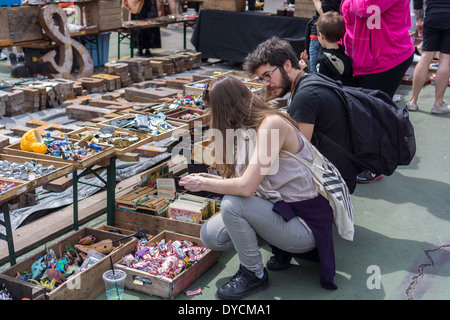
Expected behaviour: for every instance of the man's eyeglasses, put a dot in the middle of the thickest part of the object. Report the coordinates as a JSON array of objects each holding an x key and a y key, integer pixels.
[{"x": 266, "y": 77}]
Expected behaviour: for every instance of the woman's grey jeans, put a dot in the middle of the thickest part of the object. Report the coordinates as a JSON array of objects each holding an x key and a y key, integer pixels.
[{"x": 245, "y": 223}]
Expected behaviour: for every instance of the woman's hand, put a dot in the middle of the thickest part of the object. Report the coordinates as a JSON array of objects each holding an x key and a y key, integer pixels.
[{"x": 192, "y": 182}]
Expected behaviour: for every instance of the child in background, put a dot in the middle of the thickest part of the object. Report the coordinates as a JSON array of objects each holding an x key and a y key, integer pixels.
[{"x": 333, "y": 61}]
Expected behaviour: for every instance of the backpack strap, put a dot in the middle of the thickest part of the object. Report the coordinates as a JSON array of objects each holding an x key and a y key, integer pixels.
[{"x": 318, "y": 79}]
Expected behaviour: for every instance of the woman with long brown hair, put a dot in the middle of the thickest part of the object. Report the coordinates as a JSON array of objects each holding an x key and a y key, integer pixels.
[{"x": 269, "y": 197}]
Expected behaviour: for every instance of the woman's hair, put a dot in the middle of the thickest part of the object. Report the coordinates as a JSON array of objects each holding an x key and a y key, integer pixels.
[
  {"x": 274, "y": 51},
  {"x": 234, "y": 106},
  {"x": 331, "y": 25}
]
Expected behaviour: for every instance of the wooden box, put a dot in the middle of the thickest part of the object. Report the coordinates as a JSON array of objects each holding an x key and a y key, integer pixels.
[
  {"x": 304, "y": 9},
  {"x": 63, "y": 169},
  {"x": 169, "y": 288},
  {"x": 226, "y": 5},
  {"x": 143, "y": 138},
  {"x": 181, "y": 128},
  {"x": 21, "y": 290},
  {"x": 105, "y": 14},
  {"x": 245, "y": 77},
  {"x": 87, "y": 284},
  {"x": 99, "y": 158},
  {"x": 20, "y": 187},
  {"x": 176, "y": 114},
  {"x": 20, "y": 24},
  {"x": 196, "y": 88},
  {"x": 132, "y": 220}
]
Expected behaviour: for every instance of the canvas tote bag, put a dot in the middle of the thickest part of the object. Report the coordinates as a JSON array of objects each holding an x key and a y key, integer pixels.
[{"x": 332, "y": 186}]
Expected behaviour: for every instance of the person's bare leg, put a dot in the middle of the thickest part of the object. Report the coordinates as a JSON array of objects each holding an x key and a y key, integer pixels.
[
  {"x": 442, "y": 78},
  {"x": 420, "y": 74}
]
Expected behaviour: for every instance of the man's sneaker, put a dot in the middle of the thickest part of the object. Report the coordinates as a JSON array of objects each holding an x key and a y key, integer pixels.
[
  {"x": 367, "y": 177},
  {"x": 243, "y": 284},
  {"x": 21, "y": 58},
  {"x": 13, "y": 58},
  {"x": 412, "y": 106},
  {"x": 3, "y": 56},
  {"x": 280, "y": 260},
  {"x": 444, "y": 109}
]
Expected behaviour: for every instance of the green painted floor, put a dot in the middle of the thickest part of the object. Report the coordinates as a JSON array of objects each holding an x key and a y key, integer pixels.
[{"x": 401, "y": 248}]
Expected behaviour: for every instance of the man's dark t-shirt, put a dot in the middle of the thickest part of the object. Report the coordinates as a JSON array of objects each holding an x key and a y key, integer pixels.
[{"x": 323, "y": 108}]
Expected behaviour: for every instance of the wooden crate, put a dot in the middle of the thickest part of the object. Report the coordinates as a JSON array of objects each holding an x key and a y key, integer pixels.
[
  {"x": 237, "y": 74},
  {"x": 20, "y": 24},
  {"x": 169, "y": 288},
  {"x": 181, "y": 128},
  {"x": 304, "y": 9},
  {"x": 144, "y": 138},
  {"x": 226, "y": 5},
  {"x": 175, "y": 115},
  {"x": 21, "y": 290},
  {"x": 133, "y": 220},
  {"x": 196, "y": 88},
  {"x": 105, "y": 14},
  {"x": 63, "y": 169},
  {"x": 99, "y": 158},
  {"x": 20, "y": 188},
  {"x": 87, "y": 284}
]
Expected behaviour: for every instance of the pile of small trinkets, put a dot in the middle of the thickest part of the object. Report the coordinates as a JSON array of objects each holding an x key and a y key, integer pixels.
[
  {"x": 188, "y": 102},
  {"x": 164, "y": 259},
  {"x": 72, "y": 150},
  {"x": 152, "y": 124},
  {"x": 50, "y": 271},
  {"x": 107, "y": 135},
  {"x": 24, "y": 171},
  {"x": 189, "y": 116}
]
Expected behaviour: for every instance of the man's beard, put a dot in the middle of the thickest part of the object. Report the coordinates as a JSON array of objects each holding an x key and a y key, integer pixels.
[{"x": 285, "y": 85}]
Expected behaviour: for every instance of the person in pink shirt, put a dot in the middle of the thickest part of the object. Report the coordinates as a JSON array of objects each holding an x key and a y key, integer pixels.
[{"x": 378, "y": 41}]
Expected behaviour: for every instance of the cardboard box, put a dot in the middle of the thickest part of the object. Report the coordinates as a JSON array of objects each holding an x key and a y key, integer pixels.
[
  {"x": 87, "y": 284},
  {"x": 169, "y": 288}
]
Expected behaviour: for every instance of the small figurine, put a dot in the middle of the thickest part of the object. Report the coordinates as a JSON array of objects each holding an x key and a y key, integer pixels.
[{"x": 37, "y": 268}]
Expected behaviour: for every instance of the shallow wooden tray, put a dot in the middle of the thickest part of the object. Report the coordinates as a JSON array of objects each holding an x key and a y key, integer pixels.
[
  {"x": 181, "y": 129},
  {"x": 100, "y": 158},
  {"x": 63, "y": 168},
  {"x": 145, "y": 138}
]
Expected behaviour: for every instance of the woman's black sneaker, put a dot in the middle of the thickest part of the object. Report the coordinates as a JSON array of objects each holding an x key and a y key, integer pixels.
[
  {"x": 280, "y": 260},
  {"x": 243, "y": 284}
]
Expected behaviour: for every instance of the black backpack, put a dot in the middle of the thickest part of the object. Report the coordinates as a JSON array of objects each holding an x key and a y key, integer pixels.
[{"x": 382, "y": 134}]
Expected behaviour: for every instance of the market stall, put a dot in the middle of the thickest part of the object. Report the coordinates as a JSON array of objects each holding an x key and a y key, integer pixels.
[{"x": 216, "y": 32}]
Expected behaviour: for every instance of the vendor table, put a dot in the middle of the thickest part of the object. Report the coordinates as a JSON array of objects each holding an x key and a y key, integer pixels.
[
  {"x": 127, "y": 31},
  {"x": 231, "y": 36}
]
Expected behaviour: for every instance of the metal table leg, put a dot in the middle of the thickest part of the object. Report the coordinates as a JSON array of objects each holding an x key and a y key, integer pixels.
[
  {"x": 110, "y": 186},
  {"x": 9, "y": 235}
]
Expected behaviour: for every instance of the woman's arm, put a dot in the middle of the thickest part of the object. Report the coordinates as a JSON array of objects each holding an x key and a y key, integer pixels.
[{"x": 271, "y": 137}]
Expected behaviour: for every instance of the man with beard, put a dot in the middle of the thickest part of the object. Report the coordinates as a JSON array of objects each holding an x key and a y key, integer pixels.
[{"x": 317, "y": 110}]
